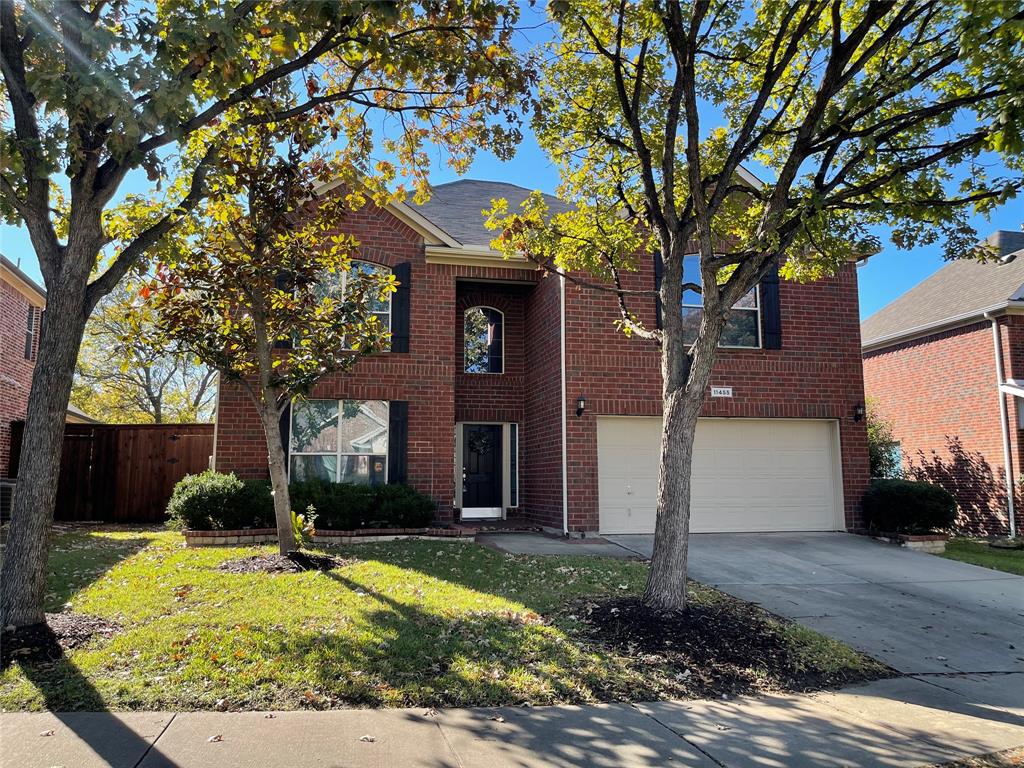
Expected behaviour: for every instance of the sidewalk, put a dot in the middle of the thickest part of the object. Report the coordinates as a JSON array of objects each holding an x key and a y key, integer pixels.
[{"x": 898, "y": 722}]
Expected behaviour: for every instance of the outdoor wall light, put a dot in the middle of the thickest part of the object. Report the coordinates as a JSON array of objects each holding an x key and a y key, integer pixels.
[
  {"x": 858, "y": 412},
  {"x": 581, "y": 405}
]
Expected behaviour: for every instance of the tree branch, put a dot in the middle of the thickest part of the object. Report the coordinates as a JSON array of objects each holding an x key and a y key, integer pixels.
[{"x": 103, "y": 284}]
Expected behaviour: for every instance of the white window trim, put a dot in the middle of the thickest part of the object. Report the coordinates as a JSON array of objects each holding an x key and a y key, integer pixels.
[
  {"x": 483, "y": 373},
  {"x": 338, "y": 452},
  {"x": 756, "y": 309}
]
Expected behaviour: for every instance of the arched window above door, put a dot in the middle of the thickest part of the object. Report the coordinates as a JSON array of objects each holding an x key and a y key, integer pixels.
[{"x": 483, "y": 348}]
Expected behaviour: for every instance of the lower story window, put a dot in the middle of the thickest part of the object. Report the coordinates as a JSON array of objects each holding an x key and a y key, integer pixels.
[{"x": 341, "y": 441}]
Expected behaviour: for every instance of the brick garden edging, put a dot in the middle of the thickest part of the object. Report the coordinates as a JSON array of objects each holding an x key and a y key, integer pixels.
[
  {"x": 931, "y": 543},
  {"x": 368, "y": 535},
  {"x": 229, "y": 537},
  {"x": 362, "y": 535}
]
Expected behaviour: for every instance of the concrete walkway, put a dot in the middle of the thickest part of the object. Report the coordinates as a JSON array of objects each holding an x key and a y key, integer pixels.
[{"x": 901, "y": 722}]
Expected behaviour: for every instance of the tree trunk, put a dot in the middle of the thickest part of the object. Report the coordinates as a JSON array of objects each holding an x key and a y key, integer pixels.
[
  {"x": 25, "y": 567},
  {"x": 666, "y": 581},
  {"x": 278, "y": 476},
  {"x": 685, "y": 374}
]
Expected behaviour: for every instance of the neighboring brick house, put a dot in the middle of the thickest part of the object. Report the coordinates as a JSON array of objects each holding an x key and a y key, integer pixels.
[
  {"x": 931, "y": 366},
  {"x": 510, "y": 393},
  {"x": 21, "y": 309}
]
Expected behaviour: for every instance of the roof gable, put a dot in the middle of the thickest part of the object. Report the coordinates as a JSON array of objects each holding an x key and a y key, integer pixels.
[{"x": 457, "y": 207}]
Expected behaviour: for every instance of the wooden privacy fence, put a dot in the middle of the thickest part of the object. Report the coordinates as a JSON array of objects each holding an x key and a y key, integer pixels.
[{"x": 124, "y": 473}]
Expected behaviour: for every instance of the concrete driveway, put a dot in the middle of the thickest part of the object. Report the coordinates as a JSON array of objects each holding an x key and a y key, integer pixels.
[{"x": 957, "y": 625}]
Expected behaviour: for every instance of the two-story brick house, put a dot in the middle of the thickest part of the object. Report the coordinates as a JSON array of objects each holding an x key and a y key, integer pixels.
[
  {"x": 507, "y": 392},
  {"x": 944, "y": 363},
  {"x": 21, "y": 309}
]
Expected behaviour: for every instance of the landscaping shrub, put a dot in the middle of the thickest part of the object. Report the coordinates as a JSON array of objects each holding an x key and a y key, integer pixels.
[
  {"x": 256, "y": 500},
  {"x": 214, "y": 501},
  {"x": 402, "y": 506},
  {"x": 884, "y": 457},
  {"x": 339, "y": 506},
  {"x": 348, "y": 507},
  {"x": 908, "y": 506}
]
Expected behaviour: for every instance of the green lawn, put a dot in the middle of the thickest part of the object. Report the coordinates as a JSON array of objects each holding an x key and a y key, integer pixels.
[
  {"x": 980, "y": 553},
  {"x": 408, "y": 623}
]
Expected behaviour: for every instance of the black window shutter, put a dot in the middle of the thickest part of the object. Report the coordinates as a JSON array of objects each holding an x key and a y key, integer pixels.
[
  {"x": 286, "y": 426},
  {"x": 398, "y": 440},
  {"x": 659, "y": 269},
  {"x": 771, "y": 313},
  {"x": 281, "y": 283},
  {"x": 400, "y": 308}
]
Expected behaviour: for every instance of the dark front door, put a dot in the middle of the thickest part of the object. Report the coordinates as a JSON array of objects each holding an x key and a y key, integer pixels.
[{"x": 481, "y": 466}]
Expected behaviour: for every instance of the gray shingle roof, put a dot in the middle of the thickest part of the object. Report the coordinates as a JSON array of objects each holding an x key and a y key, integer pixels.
[
  {"x": 457, "y": 207},
  {"x": 962, "y": 288}
]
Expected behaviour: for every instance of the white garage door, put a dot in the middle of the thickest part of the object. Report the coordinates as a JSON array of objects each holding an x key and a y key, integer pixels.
[{"x": 748, "y": 475}]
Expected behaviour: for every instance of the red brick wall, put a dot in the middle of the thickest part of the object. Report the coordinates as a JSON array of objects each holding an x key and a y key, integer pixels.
[
  {"x": 425, "y": 376},
  {"x": 816, "y": 374},
  {"x": 15, "y": 370},
  {"x": 490, "y": 396},
  {"x": 541, "y": 440},
  {"x": 939, "y": 392}
]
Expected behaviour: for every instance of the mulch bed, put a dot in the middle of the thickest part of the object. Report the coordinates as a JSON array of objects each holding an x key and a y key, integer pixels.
[
  {"x": 293, "y": 562},
  {"x": 47, "y": 642},
  {"x": 730, "y": 647}
]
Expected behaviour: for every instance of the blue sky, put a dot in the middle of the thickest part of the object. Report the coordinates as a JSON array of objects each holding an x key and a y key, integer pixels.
[
  {"x": 885, "y": 276},
  {"x": 882, "y": 279}
]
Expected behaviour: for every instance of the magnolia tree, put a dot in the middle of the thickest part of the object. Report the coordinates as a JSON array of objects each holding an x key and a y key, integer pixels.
[
  {"x": 93, "y": 93},
  {"x": 260, "y": 286},
  {"x": 865, "y": 114}
]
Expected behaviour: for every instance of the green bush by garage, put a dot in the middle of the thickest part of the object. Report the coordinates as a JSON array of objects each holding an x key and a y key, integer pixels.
[
  {"x": 908, "y": 506},
  {"x": 214, "y": 501}
]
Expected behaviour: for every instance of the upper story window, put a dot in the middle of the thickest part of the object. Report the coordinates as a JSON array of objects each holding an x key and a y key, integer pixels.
[
  {"x": 31, "y": 331},
  {"x": 334, "y": 284},
  {"x": 484, "y": 340},
  {"x": 742, "y": 329}
]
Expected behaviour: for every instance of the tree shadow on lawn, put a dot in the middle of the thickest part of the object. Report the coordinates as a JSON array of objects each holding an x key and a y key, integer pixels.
[
  {"x": 397, "y": 653},
  {"x": 80, "y": 557},
  {"x": 485, "y": 658},
  {"x": 56, "y": 677},
  {"x": 59, "y": 681}
]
